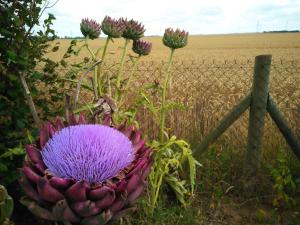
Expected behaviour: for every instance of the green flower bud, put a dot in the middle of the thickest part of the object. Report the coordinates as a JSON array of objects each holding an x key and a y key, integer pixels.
[
  {"x": 90, "y": 28},
  {"x": 175, "y": 39},
  {"x": 133, "y": 29}
]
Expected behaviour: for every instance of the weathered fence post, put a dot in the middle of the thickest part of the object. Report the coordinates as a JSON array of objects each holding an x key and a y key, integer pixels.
[
  {"x": 229, "y": 119},
  {"x": 258, "y": 109},
  {"x": 282, "y": 125}
]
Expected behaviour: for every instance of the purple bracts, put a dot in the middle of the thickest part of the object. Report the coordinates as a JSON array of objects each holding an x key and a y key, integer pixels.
[{"x": 92, "y": 153}]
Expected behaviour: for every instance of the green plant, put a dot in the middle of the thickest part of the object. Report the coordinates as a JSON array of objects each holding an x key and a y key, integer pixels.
[
  {"x": 284, "y": 184},
  {"x": 8, "y": 160},
  {"x": 6, "y": 206},
  {"x": 101, "y": 178},
  {"x": 169, "y": 158},
  {"x": 102, "y": 84},
  {"x": 171, "y": 155},
  {"x": 22, "y": 47}
]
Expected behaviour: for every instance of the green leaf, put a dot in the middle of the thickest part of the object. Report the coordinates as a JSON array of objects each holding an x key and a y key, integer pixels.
[
  {"x": 87, "y": 106},
  {"x": 12, "y": 56},
  {"x": 55, "y": 48},
  {"x": 11, "y": 152},
  {"x": 36, "y": 75},
  {"x": 174, "y": 105},
  {"x": 178, "y": 188}
]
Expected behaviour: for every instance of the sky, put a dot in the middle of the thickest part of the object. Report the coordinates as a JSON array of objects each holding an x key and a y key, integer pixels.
[{"x": 195, "y": 16}]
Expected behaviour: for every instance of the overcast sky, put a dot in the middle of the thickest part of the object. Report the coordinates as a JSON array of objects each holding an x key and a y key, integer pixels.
[{"x": 195, "y": 16}]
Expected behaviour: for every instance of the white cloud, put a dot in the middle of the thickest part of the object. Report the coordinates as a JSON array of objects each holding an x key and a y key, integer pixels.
[{"x": 196, "y": 16}]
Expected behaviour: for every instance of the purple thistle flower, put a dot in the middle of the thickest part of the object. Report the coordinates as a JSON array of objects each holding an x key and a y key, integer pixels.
[{"x": 92, "y": 153}]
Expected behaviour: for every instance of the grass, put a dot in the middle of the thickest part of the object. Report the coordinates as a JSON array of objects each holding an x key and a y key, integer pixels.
[{"x": 225, "y": 197}]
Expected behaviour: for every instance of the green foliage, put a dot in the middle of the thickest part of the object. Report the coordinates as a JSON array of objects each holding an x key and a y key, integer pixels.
[
  {"x": 221, "y": 171},
  {"x": 23, "y": 46},
  {"x": 285, "y": 184},
  {"x": 6, "y": 206},
  {"x": 169, "y": 158},
  {"x": 8, "y": 161},
  {"x": 166, "y": 212}
]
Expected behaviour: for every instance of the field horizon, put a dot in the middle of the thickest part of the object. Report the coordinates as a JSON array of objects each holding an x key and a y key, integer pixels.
[{"x": 208, "y": 47}]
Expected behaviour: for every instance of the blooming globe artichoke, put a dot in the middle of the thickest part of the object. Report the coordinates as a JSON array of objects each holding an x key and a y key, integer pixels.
[
  {"x": 112, "y": 28},
  {"x": 84, "y": 173},
  {"x": 175, "y": 39},
  {"x": 133, "y": 29},
  {"x": 141, "y": 47},
  {"x": 90, "y": 28}
]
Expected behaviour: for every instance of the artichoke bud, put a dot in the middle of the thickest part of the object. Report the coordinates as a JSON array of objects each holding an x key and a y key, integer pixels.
[
  {"x": 141, "y": 47},
  {"x": 90, "y": 28},
  {"x": 133, "y": 29},
  {"x": 112, "y": 28},
  {"x": 175, "y": 39}
]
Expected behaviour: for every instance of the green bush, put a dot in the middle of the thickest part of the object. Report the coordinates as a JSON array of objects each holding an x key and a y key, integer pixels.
[{"x": 23, "y": 46}]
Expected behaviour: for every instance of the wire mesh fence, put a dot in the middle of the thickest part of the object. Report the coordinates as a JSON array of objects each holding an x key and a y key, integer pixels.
[{"x": 209, "y": 89}]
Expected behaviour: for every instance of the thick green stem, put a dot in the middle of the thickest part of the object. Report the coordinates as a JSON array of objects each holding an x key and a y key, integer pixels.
[
  {"x": 132, "y": 72},
  {"x": 95, "y": 83},
  {"x": 95, "y": 69},
  {"x": 118, "y": 83},
  {"x": 100, "y": 65},
  {"x": 163, "y": 99},
  {"x": 91, "y": 52},
  {"x": 156, "y": 191}
]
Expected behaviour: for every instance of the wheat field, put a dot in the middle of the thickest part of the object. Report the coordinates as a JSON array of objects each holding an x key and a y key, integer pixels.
[
  {"x": 214, "y": 47},
  {"x": 210, "y": 75}
]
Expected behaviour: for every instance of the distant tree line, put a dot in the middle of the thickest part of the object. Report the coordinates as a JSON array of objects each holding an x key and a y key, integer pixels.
[
  {"x": 70, "y": 37},
  {"x": 282, "y": 31}
]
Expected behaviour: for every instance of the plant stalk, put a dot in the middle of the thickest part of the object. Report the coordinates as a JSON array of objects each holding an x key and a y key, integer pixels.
[
  {"x": 81, "y": 80},
  {"x": 132, "y": 72},
  {"x": 95, "y": 83},
  {"x": 30, "y": 101},
  {"x": 118, "y": 83},
  {"x": 163, "y": 100},
  {"x": 100, "y": 65}
]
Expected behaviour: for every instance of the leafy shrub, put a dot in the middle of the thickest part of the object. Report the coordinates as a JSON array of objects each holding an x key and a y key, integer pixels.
[{"x": 22, "y": 47}]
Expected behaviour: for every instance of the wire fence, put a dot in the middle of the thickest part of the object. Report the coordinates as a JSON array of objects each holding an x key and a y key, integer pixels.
[{"x": 209, "y": 89}]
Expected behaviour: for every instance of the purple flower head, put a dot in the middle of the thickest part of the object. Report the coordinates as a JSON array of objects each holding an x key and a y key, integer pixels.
[{"x": 93, "y": 153}]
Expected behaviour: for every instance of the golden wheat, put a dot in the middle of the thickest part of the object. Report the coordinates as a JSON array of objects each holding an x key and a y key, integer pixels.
[{"x": 211, "y": 75}]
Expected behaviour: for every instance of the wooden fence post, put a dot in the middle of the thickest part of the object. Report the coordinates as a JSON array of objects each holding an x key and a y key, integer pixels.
[
  {"x": 282, "y": 125},
  {"x": 229, "y": 119},
  {"x": 258, "y": 110}
]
